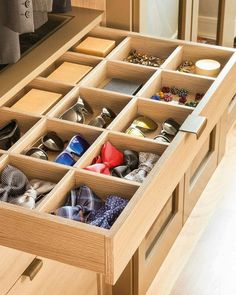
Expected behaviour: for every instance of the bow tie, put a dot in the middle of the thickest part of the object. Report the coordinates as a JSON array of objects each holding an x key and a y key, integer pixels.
[
  {"x": 109, "y": 158},
  {"x": 146, "y": 163},
  {"x": 16, "y": 189},
  {"x": 131, "y": 162},
  {"x": 80, "y": 202},
  {"x": 108, "y": 213}
]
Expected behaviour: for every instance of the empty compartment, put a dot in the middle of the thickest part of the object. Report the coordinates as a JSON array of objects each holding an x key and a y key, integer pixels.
[
  {"x": 193, "y": 53},
  {"x": 113, "y": 36},
  {"x": 157, "y": 112},
  {"x": 119, "y": 77},
  {"x": 95, "y": 101},
  {"x": 41, "y": 137},
  {"x": 36, "y": 182},
  {"x": 174, "y": 85},
  {"x": 70, "y": 68},
  {"x": 13, "y": 126},
  {"x": 153, "y": 52},
  {"x": 38, "y": 97},
  {"x": 123, "y": 143}
]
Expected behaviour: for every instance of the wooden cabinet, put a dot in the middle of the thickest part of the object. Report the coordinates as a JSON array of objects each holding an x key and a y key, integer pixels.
[{"x": 148, "y": 226}]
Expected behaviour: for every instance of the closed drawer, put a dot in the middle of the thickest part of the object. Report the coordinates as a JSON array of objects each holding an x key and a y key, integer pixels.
[
  {"x": 109, "y": 251},
  {"x": 46, "y": 277},
  {"x": 201, "y": 170},
  {"x": 231, "y": 112},
  {"x": 158, "y": 241},
  {"x": 13, "y": 264}
]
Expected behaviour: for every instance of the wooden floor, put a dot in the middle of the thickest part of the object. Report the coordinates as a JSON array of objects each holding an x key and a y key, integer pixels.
[{"x": 203, "y": 258}]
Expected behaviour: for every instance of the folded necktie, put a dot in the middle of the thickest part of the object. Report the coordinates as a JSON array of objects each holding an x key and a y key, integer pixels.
[
  {"x": 146, "y": 163},
  {"x": 109, "y": 158},
  {"x": 131, "y": 162},
  {"x": 80, "y": 202},
  {"x": 108, "y": 213}
]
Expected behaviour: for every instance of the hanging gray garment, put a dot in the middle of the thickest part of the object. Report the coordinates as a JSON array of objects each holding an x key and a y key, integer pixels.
[
  {"x": 40, "y": 11},
  {"x": 17, "y": 17}
]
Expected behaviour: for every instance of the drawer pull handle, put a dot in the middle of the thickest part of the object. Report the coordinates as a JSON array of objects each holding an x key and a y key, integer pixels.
[
  {"x": 34, "y": 267},
  {"x": 194, "y": 124}
]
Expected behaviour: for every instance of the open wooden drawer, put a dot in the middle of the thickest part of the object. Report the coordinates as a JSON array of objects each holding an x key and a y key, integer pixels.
[{"x": 109, "y": 251}]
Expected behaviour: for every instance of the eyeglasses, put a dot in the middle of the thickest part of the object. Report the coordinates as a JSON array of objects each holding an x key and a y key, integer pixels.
[
  {"x": 76, "y": 147},
  {"x": 169, "y": 129},
  {"x": 49, "y": 142},
  {"x": 140, "y": 126},
  {"x": 77, "y": 112},
  {"x": 9, "y": 134},
  {"x": 104, "y": 119},
  {"x": 74, "y": 150}
]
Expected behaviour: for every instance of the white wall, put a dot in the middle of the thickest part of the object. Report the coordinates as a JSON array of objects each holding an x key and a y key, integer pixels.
[
  {"x": 159, "y": 17},
  {"x": 208, "y": 8}
]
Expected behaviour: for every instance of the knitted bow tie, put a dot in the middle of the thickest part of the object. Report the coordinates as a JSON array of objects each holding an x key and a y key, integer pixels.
[
  {"x": 16, "y": 189},
  {"x": 146, "y": 163},
  {"x": 109, "y": 158},
  {"x": 131, "y": 161}
]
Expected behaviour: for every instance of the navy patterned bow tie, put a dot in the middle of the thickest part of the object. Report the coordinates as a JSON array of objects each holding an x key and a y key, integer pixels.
[{"x": 80, "y": 202}]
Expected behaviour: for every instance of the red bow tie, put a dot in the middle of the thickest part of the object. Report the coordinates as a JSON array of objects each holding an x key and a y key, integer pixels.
[{"x": 109, "y": 158}]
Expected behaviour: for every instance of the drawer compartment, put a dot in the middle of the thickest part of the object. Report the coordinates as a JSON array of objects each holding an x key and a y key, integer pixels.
[
  {"x": 158, "y": 241},
  {"x": 201, "y": 170}
]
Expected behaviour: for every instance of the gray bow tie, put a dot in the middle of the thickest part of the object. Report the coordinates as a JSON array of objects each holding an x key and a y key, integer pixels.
[
  {"x": 16, "y": 189},
  {"x": 146, "y": 163}
]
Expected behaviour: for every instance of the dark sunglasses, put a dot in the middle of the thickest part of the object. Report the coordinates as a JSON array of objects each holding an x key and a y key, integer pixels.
[
  {"x": 49, "y": 142},
  {"x": 104, "y": 119},
  {"x": 77, "y": 112},
  {"x": 9, "y": 134},
  {"x": 74, "y": 150}
]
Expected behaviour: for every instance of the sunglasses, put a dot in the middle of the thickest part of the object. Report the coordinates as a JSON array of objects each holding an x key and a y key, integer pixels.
[
  {"x": 49, "y": 142},
  {"x": 140, "y": 126},
  {"x": 169, "y": 129},
  {"x": 9, "y": 134},
  {"x": 104, "y": 119},
  {"x": 74, "y": 150},
  {"x": 77, "y": 112}
]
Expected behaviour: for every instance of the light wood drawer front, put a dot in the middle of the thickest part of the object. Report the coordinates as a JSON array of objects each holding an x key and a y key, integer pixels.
[
  {"x": 13, "y": 263},
  {"x": 58, "y": 279},
  {"x": 232, "y": 112},
  {"x": 201, "y": 170},
  {"x": 158, "y": 241}
]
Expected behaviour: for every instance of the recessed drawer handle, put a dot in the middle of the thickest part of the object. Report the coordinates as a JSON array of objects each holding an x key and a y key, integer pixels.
[
  {"x": 194, "y": 124},
  {"x": 34, "y": 267}
]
